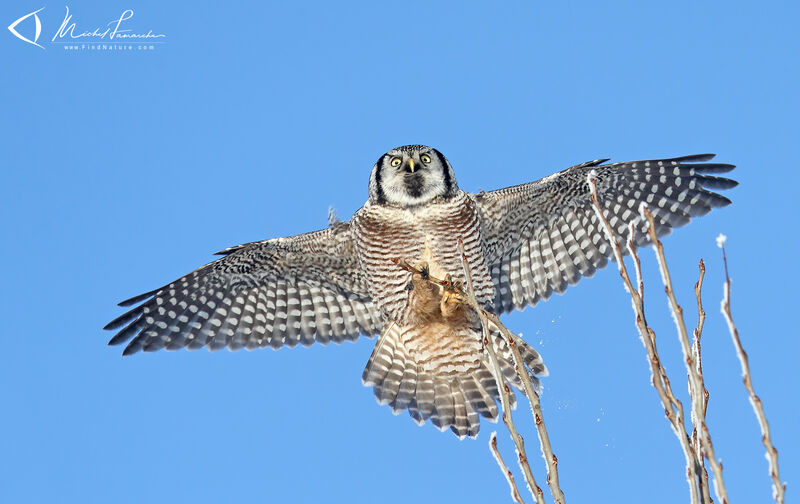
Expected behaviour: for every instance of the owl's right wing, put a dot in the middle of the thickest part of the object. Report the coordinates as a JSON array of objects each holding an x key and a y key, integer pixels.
[
  {"x": 542, "y": 236},
  {"x": 282, "y": 291}
]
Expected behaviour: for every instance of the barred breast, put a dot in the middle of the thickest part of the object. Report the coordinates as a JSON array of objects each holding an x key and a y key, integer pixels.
[{"x": 428, "y": 234}]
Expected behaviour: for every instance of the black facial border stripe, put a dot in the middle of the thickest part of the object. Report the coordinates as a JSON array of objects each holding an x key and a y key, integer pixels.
[
  {"x": 448, "y": 182},
  {"x": 379, "y": 195}
]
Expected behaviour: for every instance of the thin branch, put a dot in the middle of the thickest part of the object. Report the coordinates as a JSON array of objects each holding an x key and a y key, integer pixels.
[
  {"x": 519, "y": 442},
  {"x": 530, "y": 393},
  {"x": 778, "y": 488},
  {"x": 536, "y": 409},
  {"x": 696, "y": 385},
  {"x": 515, "y": 496},
  {"x": 673, "y": 408},
  {"x": 698, "y": 362},
  {"x": 698, "y": 332}
]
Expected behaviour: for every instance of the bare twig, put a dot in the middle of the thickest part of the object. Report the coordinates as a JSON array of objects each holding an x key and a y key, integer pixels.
[
  {"x": 522, "y": 455},
  {"x": 504, "y": 469},
  {"x": 530, "y": 392},
  {"x": 698, "y": 332},
  {"x": 673, "y": 408},
  {"x": 696, "y": 385},
  {"x": 778, "y": 488},
  {"x": 698, "y": 362},
  {"x": 536, "y": 409}
]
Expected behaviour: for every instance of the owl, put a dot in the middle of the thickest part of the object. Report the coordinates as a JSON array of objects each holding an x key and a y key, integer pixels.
[{"x": 521, "y": 243}]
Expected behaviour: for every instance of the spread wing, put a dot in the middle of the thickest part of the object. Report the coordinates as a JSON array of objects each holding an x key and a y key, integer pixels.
[
  {"x": 542, "y": 236},
  {"x": 277, "y": 292}
]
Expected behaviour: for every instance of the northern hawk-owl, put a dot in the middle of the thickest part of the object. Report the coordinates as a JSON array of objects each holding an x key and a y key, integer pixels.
[{"x": 522, "y": 243}]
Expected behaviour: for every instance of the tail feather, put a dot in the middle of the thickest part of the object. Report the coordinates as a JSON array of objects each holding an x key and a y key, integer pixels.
[
  {"x": 443, "y": 414},
  {"x": 426, "y": 395},
  {"x": 379, "y": 363},
  {"x": 487, "y": 381},
  {"x": 478, "y": 398},
  {"x": 407, "y": 390},
  {"x": 461, "y": 421},
  {"x": 531, "y": 358},
  {"x": 413, "y": 412},
  {"x": 454, "y": 400},
  {"x": 391, "y": 384},
  {"x": 473, "y": 422}
]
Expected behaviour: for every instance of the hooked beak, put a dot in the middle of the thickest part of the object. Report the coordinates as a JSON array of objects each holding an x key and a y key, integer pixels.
[{"x": 411, "y": 165}]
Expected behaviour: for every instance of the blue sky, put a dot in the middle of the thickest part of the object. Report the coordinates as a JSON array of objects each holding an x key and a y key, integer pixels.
[{"x": 123, "y": 170}]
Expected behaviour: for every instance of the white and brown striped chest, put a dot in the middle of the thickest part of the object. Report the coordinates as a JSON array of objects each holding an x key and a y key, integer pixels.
[{"x": 427, "y": 234}]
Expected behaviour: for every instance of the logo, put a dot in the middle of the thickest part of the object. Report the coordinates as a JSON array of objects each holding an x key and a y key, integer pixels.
[
  {"x": 117, "y": 34},
  {"x": 13, "y": 28}
]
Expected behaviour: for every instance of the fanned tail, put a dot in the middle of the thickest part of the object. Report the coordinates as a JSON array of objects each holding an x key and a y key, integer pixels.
[{"x": 454, "y": 396}]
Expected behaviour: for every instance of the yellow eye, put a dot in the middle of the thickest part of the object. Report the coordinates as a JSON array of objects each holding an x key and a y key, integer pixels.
[
  {"x": 425, "y": 158},
  {"x": 396, "y": 162}
]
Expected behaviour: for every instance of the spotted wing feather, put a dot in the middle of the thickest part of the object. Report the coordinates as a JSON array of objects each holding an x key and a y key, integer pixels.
[
  {"x": 542, "y": 236},
  {"x": 283, "y": 291}
]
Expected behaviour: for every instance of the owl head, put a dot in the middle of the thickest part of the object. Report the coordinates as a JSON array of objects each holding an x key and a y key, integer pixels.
[{"x": 411, "y": 175}]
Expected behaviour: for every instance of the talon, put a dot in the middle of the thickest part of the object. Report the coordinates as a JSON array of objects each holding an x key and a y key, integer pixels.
[
  {"x": 421, "y": 271},
  {"x": 455, "y": 287},
  {"x": 425, "y": 272},
  {"x": 420, "y": 283},
  {"x": 445, "y": 306}
]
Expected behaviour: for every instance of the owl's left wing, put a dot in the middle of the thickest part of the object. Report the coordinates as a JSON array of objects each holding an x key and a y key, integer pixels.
[
  {"x": 282, "y": 291},
  {"x": 542, "y": 236}
]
